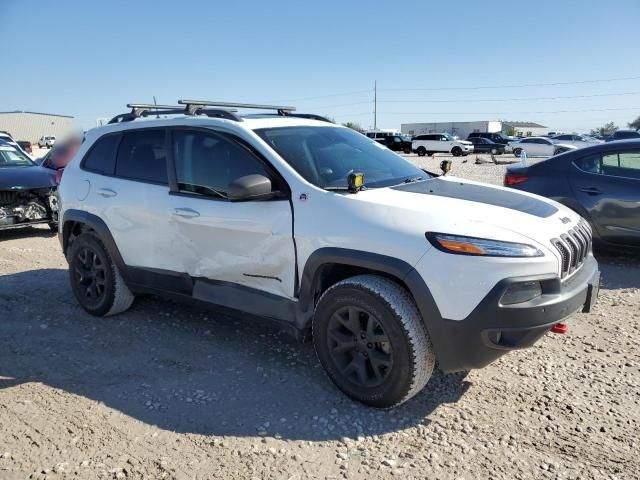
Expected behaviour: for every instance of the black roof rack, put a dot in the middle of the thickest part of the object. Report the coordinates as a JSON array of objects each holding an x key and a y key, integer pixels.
[
  {"x": 282, "y": 110},
  {"x": 145, "y": 109},
  {"x": 198, "y": 107}
]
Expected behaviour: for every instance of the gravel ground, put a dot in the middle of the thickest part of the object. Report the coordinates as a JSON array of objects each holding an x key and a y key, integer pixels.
[{"x": 172, "y": 391}]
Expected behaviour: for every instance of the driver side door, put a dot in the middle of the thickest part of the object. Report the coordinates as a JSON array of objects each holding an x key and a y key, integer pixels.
[{"x": 211, "y": 238}]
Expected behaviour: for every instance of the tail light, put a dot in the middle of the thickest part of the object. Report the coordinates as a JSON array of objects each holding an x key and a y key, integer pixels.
[
  {"x": 511, "y": 179},
  {"x": 59, "y": 173}
]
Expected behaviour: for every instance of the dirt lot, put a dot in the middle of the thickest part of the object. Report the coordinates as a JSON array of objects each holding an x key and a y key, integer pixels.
[{"x": 172, "y": 391}]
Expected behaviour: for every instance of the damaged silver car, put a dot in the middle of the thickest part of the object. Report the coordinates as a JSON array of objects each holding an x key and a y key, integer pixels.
[{"x": 27, "y": 191}]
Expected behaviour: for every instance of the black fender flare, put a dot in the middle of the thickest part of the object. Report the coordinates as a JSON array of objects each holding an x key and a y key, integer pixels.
[
  {"x": 97, "y": 225},
  {"x": 394, "y": 267}
]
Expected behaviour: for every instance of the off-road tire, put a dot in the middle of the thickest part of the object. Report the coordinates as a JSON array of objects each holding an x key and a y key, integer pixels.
[
  {"x": 421, "y": 151},
  {"x": 116, "y": 296},
  {"x": 412, "y": 354}
]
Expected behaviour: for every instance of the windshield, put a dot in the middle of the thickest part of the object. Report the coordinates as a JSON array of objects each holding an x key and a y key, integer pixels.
[
  {"x": 11, "y": 157},
  {"x": 448, "y": 137},
  {"x": 325, "y": 156}
]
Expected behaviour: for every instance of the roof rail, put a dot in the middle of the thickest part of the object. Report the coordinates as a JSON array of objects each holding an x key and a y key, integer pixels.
[
  {"x": 194, "y": 104},
  {"x": 145, "y": 109}
]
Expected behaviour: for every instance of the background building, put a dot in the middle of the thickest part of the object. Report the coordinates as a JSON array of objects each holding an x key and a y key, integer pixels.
[
  {"x": 463, "y": 129},
  {"x": 32, "y": 125}
]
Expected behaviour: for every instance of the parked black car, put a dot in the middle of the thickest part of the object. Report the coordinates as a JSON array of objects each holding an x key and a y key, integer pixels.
[
  {"x": 601, "y": 183},
  {"x": 623, "y": 135},
  {"x": 484, "y": 145},
  {"x": 397, "y": 143},
  {"x": 27, "y": 191},
  {"x": 497, "y": 137}
]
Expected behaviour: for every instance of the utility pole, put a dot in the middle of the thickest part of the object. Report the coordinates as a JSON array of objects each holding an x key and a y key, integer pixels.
[{"x": 375, "y": 104}]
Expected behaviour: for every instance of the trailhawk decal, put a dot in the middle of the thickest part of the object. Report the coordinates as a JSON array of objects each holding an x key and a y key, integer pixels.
[{"x": 481, "y": 194}]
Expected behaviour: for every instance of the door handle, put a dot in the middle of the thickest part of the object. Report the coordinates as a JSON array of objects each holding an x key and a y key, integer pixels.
[
  {"x": 106, "y": 192},
  {"x": 591, "y": 190},
  {"x": 186, "y": 213}
]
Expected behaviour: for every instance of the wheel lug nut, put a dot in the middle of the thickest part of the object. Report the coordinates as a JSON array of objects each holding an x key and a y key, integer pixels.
[{"x": 369, "y": 345}]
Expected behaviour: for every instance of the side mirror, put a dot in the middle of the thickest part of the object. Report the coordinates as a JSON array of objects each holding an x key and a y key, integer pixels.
[{"x": 249, "y": 187}]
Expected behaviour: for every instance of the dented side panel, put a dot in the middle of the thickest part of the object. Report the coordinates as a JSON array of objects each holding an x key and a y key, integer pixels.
[{"x": 247, "y": 243}]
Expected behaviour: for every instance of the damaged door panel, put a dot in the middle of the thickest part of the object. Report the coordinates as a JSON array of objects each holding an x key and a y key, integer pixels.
[{"x": 246, "y": 243}]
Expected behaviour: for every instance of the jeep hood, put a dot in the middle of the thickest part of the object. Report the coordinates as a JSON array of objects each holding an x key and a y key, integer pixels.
[{"x": 462, "y": 207}]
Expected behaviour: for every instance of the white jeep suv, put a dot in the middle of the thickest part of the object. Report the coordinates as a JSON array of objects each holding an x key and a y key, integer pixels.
[
  {"x": 430, "y": 143},
  {"x": 387, "y": 267}
]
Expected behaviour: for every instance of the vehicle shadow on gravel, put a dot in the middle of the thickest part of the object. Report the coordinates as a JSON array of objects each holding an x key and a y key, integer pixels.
[
  {"x": 26, "y": 232},
  {"x": 185, "y": 368},
  {"x": 619, "y": 271}
]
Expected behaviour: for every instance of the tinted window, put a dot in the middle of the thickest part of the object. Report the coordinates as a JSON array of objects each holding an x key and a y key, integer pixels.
[
  {"x": 142, "y": 156},
  {"x": 207, "y": 163},
  {"x": 564, "y": 137},
  {"x": 624, "y": 134},
  {"x": 618, "y": 164},
  {"x": 101, "y": 158},
  {"x": 527, "y": 140},
  {"x": 622, "y": 160}
]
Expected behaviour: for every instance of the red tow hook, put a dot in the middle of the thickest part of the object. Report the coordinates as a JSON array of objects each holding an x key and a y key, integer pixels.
[{"x": 560, "y": 328}]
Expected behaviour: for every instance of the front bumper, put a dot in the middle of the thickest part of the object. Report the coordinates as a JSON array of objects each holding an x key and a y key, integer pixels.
[{"x": 492, "y": 329}]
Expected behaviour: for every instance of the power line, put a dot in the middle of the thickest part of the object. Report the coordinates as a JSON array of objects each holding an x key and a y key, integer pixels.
[
  {"x": 522, "y": 85},
  {"x": 323, "y": 96},
  {"x": 474, "y": 100},
  {"x": 491, "y": 113},
  {"x": 511, "y": 113},
  {"x": 480, "y": 100}
]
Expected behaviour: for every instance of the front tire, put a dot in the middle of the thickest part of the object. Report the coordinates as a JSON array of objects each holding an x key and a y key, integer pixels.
[
  {"x": 456, "y": 151},
  {"x": 517, "y": 152},
  {"x": 95, "y": 279},
  {"x": 372, "y": 342}
]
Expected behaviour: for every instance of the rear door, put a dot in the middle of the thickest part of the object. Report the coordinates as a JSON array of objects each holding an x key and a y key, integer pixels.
[
  {"x": 608, "y": 187},
  {"x": 247, "y": 243},
  {"x": 132, "y": 200}
]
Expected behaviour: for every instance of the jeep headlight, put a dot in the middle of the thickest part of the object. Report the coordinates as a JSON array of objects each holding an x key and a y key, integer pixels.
[{"x": 463, "y": 245}]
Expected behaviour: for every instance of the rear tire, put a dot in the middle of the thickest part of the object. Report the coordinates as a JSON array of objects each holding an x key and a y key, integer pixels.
[
  {"x": 95, "y": 279},
  {"x": 421, "y": 151},
  {"x": 372, "y": 342}
]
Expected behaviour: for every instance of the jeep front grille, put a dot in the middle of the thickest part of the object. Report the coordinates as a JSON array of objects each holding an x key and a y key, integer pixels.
[{"x": 574, "y": 247}]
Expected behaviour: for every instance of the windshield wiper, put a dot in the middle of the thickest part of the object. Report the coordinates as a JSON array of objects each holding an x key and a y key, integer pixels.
[
  {"x": 412, "y": 179},
  {"x": 342, "y": 189}
]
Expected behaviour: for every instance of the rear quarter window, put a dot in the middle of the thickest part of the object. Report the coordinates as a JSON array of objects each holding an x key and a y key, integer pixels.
[
  {"x": 142, "y": 156},
  {"x": 101, "y": 157}
]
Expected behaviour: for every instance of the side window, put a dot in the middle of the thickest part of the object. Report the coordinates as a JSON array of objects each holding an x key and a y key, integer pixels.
[
  {"x": 591, "y": 164},
  {"x": 622, "y": 161},
  {"x": 101, "y": 157},
  {"x": 142, "y": 156},
  {"x": 207, "y": 163}
]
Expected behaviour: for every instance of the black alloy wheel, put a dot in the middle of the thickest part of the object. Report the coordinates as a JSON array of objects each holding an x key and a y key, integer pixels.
[
  {"x": 90, "y": 274},
  {"x": 359, "y": 346}
]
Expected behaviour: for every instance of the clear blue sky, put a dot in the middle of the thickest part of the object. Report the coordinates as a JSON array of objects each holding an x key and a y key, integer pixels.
[{"x": 89, "y": 58}]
